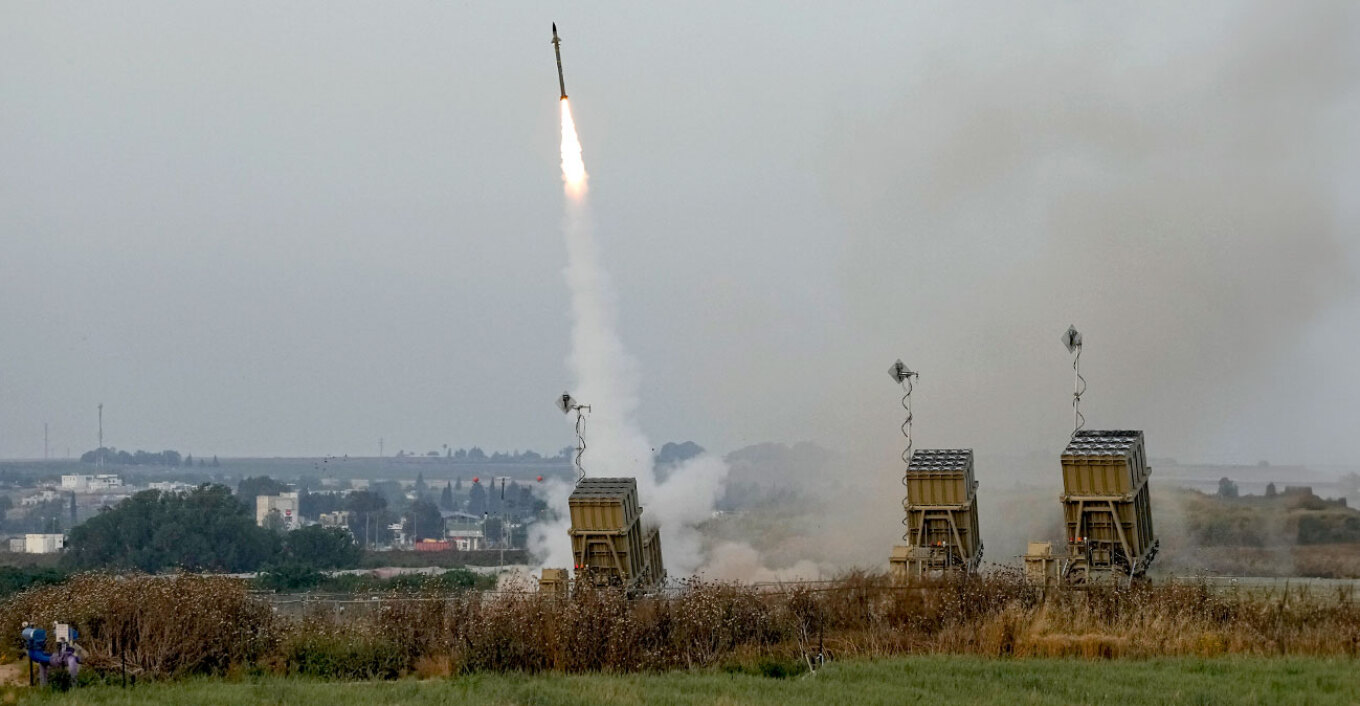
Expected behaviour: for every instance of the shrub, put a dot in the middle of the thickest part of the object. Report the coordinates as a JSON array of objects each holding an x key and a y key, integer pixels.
[{"x": 161, "y": 626}]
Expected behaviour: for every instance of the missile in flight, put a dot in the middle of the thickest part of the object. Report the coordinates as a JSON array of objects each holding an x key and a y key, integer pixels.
[{"x": 557, "y": 48}]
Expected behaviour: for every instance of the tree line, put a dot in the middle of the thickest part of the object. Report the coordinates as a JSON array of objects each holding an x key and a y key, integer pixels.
[
  {"x": 205, "y": 529},
  {"x": 477, "y": 455},
  {"x": 169, "y": 458}
]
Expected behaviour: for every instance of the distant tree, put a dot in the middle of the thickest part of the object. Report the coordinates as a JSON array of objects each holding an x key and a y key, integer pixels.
[
  {"x": 254, "y": 486},
  {"x": 1271, "y": 491},
  {"x": 476, "y": 455},
  {"x": 446, "y": 498},
  {"x": 188, "y": 460},
  {"x": 493, "y": 529},
  {"x": 672, "y": 453},
  {"x": 320, "y": 547},
  {"x": 423, "y": 521},
  {"x": 1350, "y": 485},
  {"x": 524, "y": 501},
  {"x": 391, "y": 491},
  {"x": 274, "y": 522},
  {"x": 1227, "y": 488},
  {"x": 494, "y": 495},
  {"x": 477, "y": 499},
  {"x": 137, "y": 458},
  {"x": 460, "y": 455},
  {"x": 314, "y": 504},
  {"x": 365, "y": 508},
  {"x": 14, "y": 579},
  {"x": 420, "y": 483},
  {"x": 215, "y": 462},
  {"x": 458, "y": 485},
  {"x": 204, "y": 529}
]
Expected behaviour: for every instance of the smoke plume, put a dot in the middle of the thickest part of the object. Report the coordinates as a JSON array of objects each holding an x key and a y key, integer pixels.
[
  {"x": 607, "y": 379},
  {"x": 1174, "y": 197}
]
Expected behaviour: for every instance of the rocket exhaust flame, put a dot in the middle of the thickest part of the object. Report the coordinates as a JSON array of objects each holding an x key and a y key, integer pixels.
[{"x": 573, "y": 166}]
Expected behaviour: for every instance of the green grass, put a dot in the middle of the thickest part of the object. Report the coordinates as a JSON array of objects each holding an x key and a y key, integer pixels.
[{"x": 925, "y": 680}]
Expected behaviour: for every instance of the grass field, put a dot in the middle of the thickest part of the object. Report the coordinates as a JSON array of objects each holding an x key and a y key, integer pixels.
[{"x": 970, "y": 680}]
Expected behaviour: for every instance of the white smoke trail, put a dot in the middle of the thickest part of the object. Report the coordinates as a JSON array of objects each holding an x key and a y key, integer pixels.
[{"x": 607, "y": 379}]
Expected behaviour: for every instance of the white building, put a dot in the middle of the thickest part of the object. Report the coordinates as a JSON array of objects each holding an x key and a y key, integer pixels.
[
  {"x": 91, "y": 483},
  {"x": 284, "y": 504},
  {"x": 339, "y": 518},
  {"x": 45, "y": 496},
  {"x": 465, "y": 539},
  {"x": 43, "y": 543},
  {"x": 171, "y": 486}
]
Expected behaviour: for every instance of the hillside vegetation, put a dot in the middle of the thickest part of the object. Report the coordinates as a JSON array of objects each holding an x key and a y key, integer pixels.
[{"x": 1292, "y": 533}]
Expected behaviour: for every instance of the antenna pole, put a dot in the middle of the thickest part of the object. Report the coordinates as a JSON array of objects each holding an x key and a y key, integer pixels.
[
  {"x": 581, "y": 409},
  {"x": 1072, "y": 339},
  {"x": 1078, "y": 389},
  {"x": 906, "y": 453},
  {"x": 904, "y": 376}
]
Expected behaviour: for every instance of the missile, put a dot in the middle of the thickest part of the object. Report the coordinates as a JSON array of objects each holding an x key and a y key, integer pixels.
[{"x": 557, "y": 48}]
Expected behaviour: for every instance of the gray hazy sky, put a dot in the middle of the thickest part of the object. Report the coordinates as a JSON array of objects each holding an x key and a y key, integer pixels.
[{"x": 294, "y": 228}]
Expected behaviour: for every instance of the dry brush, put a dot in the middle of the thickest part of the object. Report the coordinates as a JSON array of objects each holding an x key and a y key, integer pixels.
[{"x": 188, "y": 624}]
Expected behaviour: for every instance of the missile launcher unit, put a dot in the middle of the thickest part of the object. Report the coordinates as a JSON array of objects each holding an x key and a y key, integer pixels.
[
  {"x": 1041, "y": 564},
  {"x": 1106, "y": 506},
  {"x": 941, "y": 515},
  {"x": 610, "y": 544},
  {"x": 553, "y": 582}
]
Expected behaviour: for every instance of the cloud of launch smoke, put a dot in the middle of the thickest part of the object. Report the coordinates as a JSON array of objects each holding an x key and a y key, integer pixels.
[
  {"x": 1171, "y": 195},
  {"x": 607, "y": 379}
]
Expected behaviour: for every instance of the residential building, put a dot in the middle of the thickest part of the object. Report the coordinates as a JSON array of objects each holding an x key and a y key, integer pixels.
[
  {"x": 284, "y": 506},
  {"x": 339, "y": 518},
  {"x": 171, "y": 486},
  {"x": 45, "y": 496},
  {"x": 465, "y": 537},
  {"x": 79, "y": 483},
  {"x": 44, "y": 543}
]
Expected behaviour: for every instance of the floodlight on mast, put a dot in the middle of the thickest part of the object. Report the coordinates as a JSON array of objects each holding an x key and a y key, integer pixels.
[
  {"x": 903, "y": 376},
  {"x": 1072, "y": 339},
  {"x": 568, "y": 404}
]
